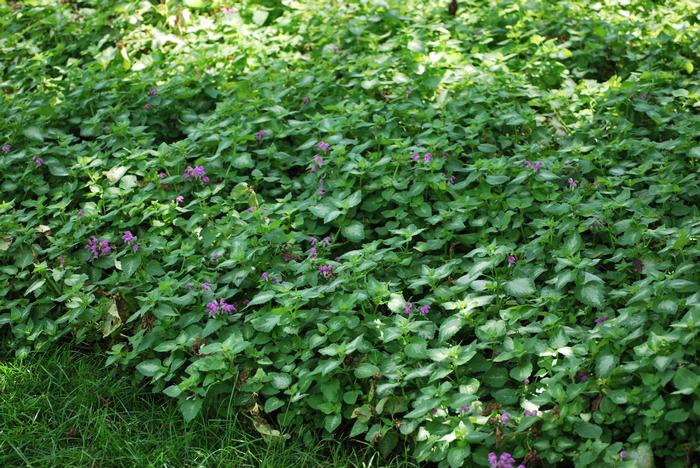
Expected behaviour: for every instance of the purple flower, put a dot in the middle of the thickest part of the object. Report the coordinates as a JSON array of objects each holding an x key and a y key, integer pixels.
[
  {"x": 250, "y": 209},
  {"x": 582, "y": 376},
  {"x": 319, "y": 160},
  {"x": 464, "y": 409},
  {"x": 147, "y": 106},
  {"x": 326, "y": 271},
  {"x": 506, "y": 460},
  {"x": 81, "y": 213},
  {"x": 512, "y": 259},
  {"x": 602, "y": 319},
  {"x": 538, "y": 164},
  {"x": 415, "y": 156},
  {"x": 434, "y": 411},
  {"x": 153, "y": 92},
  {"x": 98, "y": 248},
  {"x": 425, "y": 309},
  {"x": 572, "y": 183},
  {"x": 526, "y": 381},
  {"x": 321, "y": 192},
  {"x": 162, "y": 175},
  {"x": 306, "y": 100},
  {"x": 135, "y": 247},
  {"x": 327, "y": 240},
  {"x": 206, "y": 286},
  {"x": 623, "y": 454},
  {"x": 528, "y": 164},
  {"x": 128, "y": 237},
  {"x": 427, "y": 158},
  {"x": 408, "y": 308},
  {"x": 260, "y": 135},
  {"x": 197, "y": 172},
  {"x": 312, "y": 240},
  {"x": 265, "y": 276},
  {"x": 452, "y": 180},
  {"x": 6, "y": 148},
  {"x": 212, "y": 308},
  {"x": 38, "y": 161},
  {"x": 505, "y": 417},
  {"x": 179, "y": 199},
  {"x": 313, "y": 169},
  {"x": 530, "y": 413},
  {"x": 228, "y": 308},
  {"x": 105, "y": 129},
  {"x": 312, "y": 252},
  {"x": 323, "y": 146},
  {"x": 215, "y": 256}
]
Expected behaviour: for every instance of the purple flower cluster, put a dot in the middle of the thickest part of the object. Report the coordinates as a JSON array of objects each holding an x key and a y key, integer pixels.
[
  {"x": 505, "y": 417},
  {"x": 535, "y": 168},
  {"x": 98, "y": 248},
  {"x": 179, "y": 199},
  {"x": 130, "y": 239},
  {"x": 259, "y": 136},
  {"x": 6, "y": 148},
  {"x": 426, "y": 158},
  {"x": 38, "y": 161},
  {"x": 425, "y": 309},
  {"x": 222, "y": 306},
  {"x": 323, "y": 146},
  {"x": 452, "y": 180},
  {"x": 512, "y": 259},
  {"x": 326, "y": 271},
  {"x": 506, "y": 460},
  {"x": 530, "y": 413},
  {"x": 197, "y": 172},
  {"x": 572, "y": 183}
]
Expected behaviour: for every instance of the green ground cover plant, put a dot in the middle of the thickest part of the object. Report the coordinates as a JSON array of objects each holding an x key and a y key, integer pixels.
[{"x": 473, "y": 238}]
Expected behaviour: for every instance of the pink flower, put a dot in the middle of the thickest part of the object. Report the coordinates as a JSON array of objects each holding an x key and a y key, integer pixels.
[
  {"x": 512, "y": 259},
  {"x": 260, "y": 135},
  {"x": 427, "y": 158},
  {"x": 572, "y": 183},
  {"x": 323, "y": 146},
  {"x": 162, "y": 175},
  {"x": 250, "y": 209},
  {"x": 623, "y": 454},
  {"x": 425, "y": 309},
  {"x": 81, "y": 213},
  {"x": 538, "y": 164},
  {"x": 505, "y": 417},
  {"x": 179, "y": 199},
  {"x": 415, "y": 156}
]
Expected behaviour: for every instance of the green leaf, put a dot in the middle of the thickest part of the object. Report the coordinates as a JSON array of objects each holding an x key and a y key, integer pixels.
[
  {"x": 34, "y": 133},
  {"x": 591, "y": 294},
  {"x": 521, "y": 372},
  {"x": 366, "y": 370},
  {"x": 605, "y": 363},
  {"x": 331, "y": 422},
  {"x": 397, "y": 303},
  {"x": 190, "y": 409},
  {"x": 588, "y": 430},
  {"x": 677, "y": 416},
  {"x": 266, "y": 322},
  {"x": 35, "y": 285},
  {"x": 130, "y": 263},
  {"x": 354, "y": 231},
  {"x": 685, "y": 381},
  {"x": 262, "y": 297},
  {"x": 450, "y": 327},
  {"x": 353, "y": 200},
  {"x": 273, "y": 403},
  {"x": 520, "y": 287},
  {"x": 149, "y": 368},
  {"x": 457, "y": 455}
]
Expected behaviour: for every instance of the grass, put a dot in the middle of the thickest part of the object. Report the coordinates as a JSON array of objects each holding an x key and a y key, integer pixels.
[{"x": 63, "y": 408}]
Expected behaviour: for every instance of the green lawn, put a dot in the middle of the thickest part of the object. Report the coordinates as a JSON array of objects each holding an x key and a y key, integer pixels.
[{"x": 63, "y": 408}]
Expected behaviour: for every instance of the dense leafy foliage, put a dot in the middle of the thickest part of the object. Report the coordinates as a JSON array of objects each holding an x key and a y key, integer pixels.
[{"x": 462, "y": 235}]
